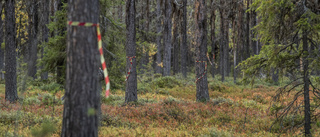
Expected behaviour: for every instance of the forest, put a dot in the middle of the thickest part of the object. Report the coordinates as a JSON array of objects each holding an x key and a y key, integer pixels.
[{"x": 207, "y": 68}]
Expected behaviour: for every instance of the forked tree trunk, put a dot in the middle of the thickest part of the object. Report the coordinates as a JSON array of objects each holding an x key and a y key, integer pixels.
[
  {"x": 131, "y": 87},
  {"x": 201, "y": 50},
  {"x": 10, "y": 49},
  {"x": 82, "y": 97}
]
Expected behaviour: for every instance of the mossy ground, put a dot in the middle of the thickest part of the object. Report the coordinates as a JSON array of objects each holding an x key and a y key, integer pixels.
[{"x": 166, "y": 107}]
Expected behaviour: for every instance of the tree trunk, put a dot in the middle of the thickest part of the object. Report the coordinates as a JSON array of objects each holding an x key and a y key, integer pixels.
[
  {"x": 235, "y": 44},
  {"x": 247, "y": 35},
  {"x": 10, "y": 49},
  {"x": 45, "y": 32},
  {"x": 226, "y": 56},
  {"x": 167, "y": 38},
  {"x": 1, "y": 50},
  {"x": 253, "y": 43},
  {"x": 81, "y": 107},
  {"x": 183, "y": 44},
  {"x": 201, "y": 50},
  {"x": 213, "y": 38},
  {"x": 222, "y": 43},
  {"x": 175, "y": 63},
  {"x": 131, "y": 87},
  {"x": 33, "y": 41},
  {"x": 61, "y": 63},
  {"x": 158, "y": 40},
  {"x": 307, "y": 118}
]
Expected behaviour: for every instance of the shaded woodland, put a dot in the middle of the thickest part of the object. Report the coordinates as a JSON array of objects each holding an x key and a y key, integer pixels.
[{"x": 199, "y": 67}]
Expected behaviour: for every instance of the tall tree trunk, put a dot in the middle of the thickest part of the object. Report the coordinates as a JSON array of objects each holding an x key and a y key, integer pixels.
[
  {"x": 235, "y": 44},
  {"x": 307, "y": 117},
  {"x": 45, "y": 32},
  {"x": 167, "y": 38},
  {"x": 33, "y": 41},
  {"x": 201, "y": 50},
  {"x": 61, "y": 63},
  {"x": 183, "y": 44},
  {"x": 226, "y": 56},
  {"x": 175, "y": 56},
  {"x": 213, "y": 37},
  {"x": 158, "y": 40},
  {"x": 10, "y": 49},
  {"x": 80, "y": 116},
  {"x": 131, "y": 87},
  {"x": 1, "y": 50},
  {"x": 247, "y": 35},
  {"x": 253, "y": 43},
  {"x": 222, "y": 43}
]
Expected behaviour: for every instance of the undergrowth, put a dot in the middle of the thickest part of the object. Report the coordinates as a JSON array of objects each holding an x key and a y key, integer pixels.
[{"x": 166, "y": 106}]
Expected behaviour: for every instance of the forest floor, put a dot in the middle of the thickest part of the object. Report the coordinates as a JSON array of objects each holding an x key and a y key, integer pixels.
[{"x": 166, "y": 107}]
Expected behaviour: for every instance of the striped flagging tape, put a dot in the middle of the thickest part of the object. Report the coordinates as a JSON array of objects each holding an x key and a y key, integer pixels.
[
  {"x": 205, "y": 70},
  {"x": 103, "y": 62},
  {"x": 209, "y": 59},
  {"x": 130, "y": 59}
]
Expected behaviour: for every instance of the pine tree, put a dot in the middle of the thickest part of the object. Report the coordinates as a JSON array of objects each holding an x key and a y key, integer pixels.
[
  {"x": 10, "y": 49},
  {"x": 201, "y": 50},
  {"x": 131, "y": 87},
  {"x": 81, "y": 106}
]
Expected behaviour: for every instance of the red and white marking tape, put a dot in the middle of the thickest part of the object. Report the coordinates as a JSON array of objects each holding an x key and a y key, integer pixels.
[
  {"x": 130, "y": 59},
  {"x": 104, "y": 66},
  {"x": 205, "y": 70},
  {"x": 209, "y": 59}
]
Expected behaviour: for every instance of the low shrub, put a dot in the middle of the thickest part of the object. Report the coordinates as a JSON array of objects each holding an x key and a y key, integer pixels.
[
  {"x": 221, "y": 100},
  {"x": 166, "y": 82},
  {"x": 214, "y": 132}
]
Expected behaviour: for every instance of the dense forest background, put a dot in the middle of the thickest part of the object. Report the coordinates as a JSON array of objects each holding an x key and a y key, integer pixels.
[{"x": 176, "y": 67}]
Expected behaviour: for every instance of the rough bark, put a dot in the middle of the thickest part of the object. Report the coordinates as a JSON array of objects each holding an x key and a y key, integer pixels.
[
  {"x": 10, "y": 49},
  {"x": 222, "y": 43},
  {"x": 307, "y": 115},
  {"x": 247, "y": 35},
  {"x": 213, "y": 38},
  {"x": 131, "y": 87},
  {"x": 235, "y": 45},
  {"x": 176, "y": 50},
  {"x": 253, "y": 42},
  {"x": 45, "y": 32},
  {"x": 158, "y": 40},
  {"x": 167, "y": 38},
  {"x": 61, "y": 63},
  {"x": 201, "y": 50},
  {"x": 33, "y": 41},
  {"x": 81, "y": 107},
  {"x": 1, "y": 50},
  {"x": 184, "y": 45},
  {"x": 226, "y": 56}
]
